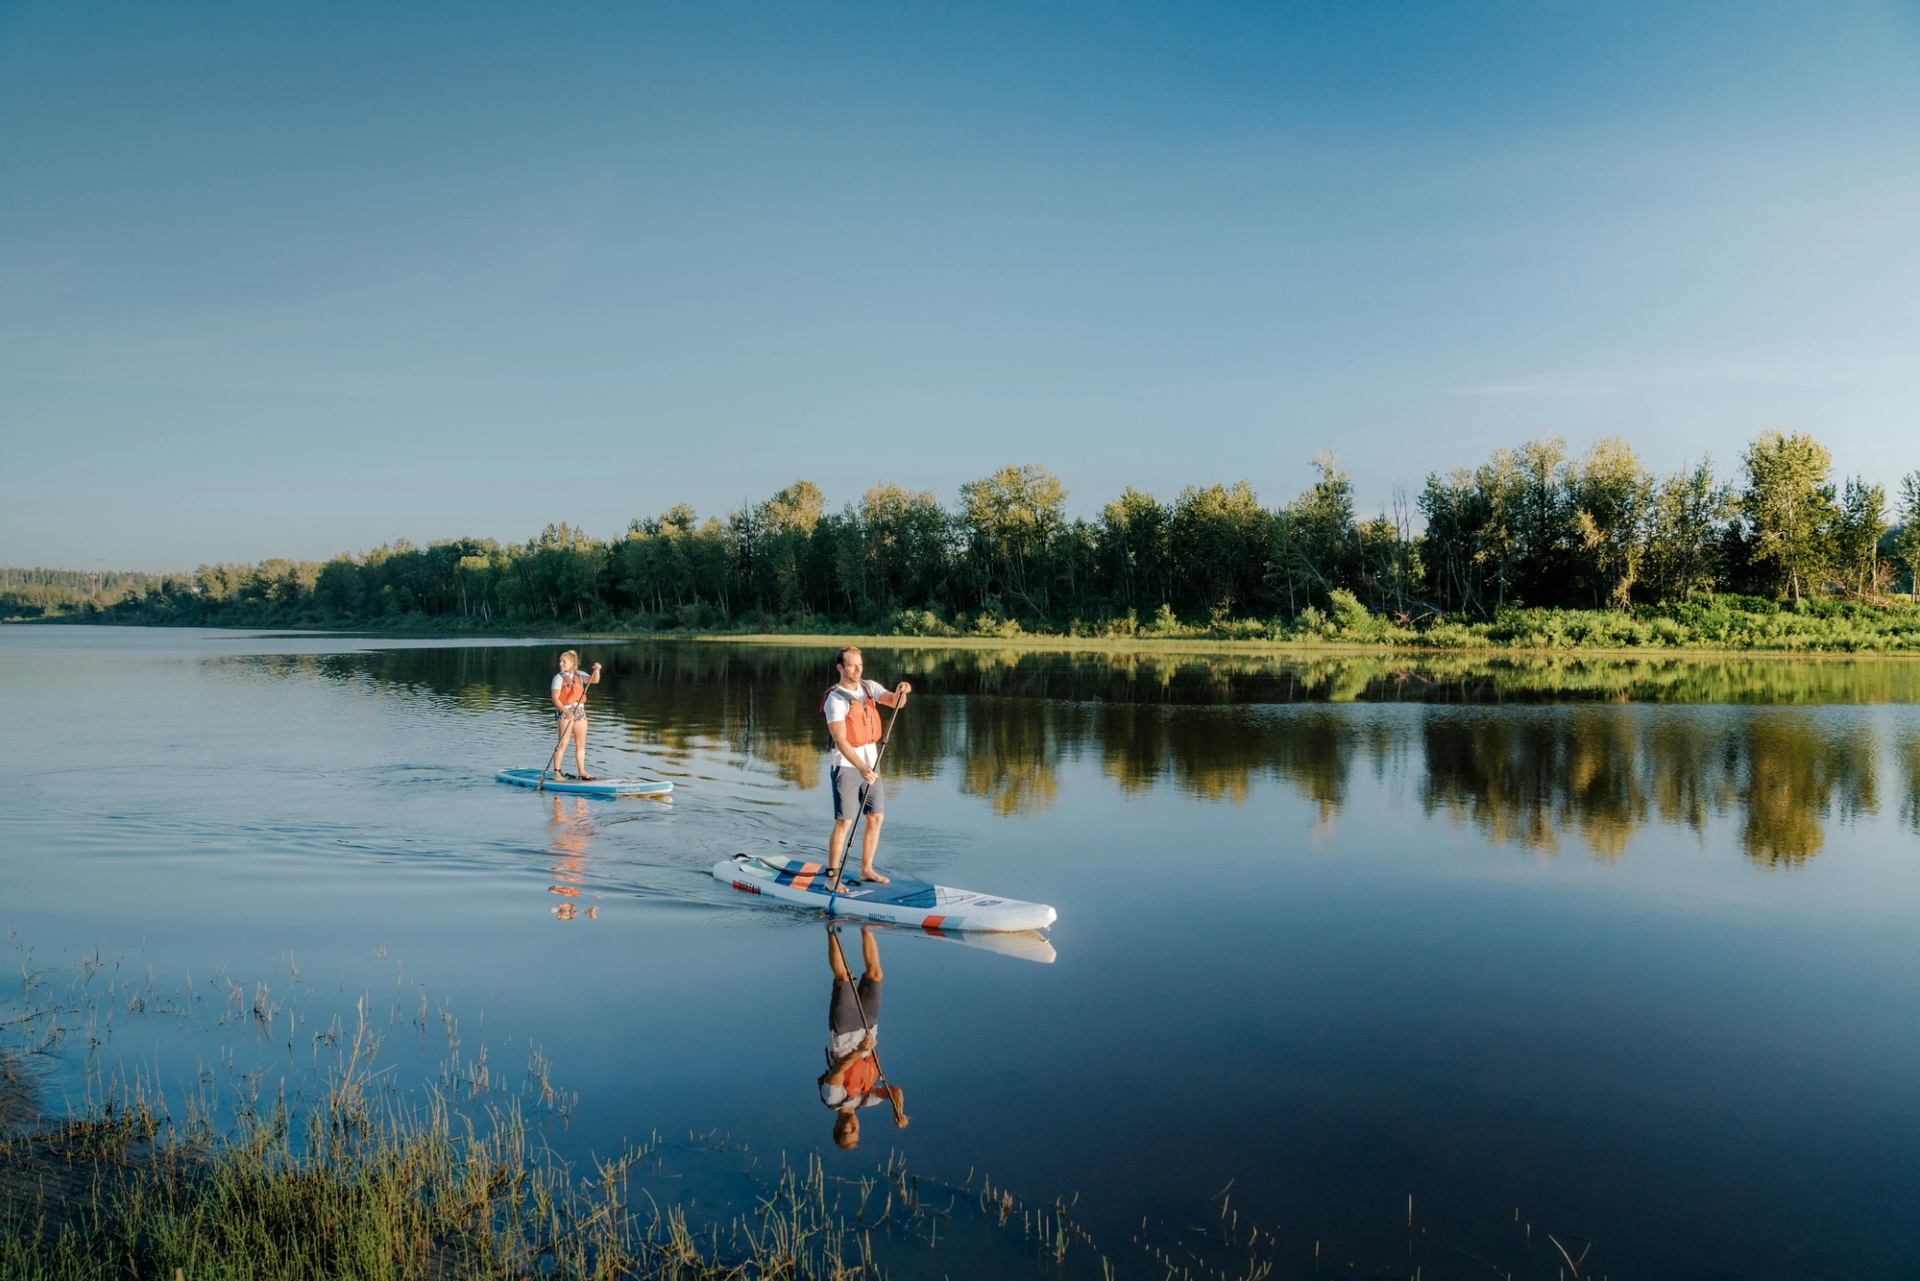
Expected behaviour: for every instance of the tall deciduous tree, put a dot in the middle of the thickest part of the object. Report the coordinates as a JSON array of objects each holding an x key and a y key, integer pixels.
[
  {"x": 909, "y": 544},
  {"x": 1789, "y": 509},
  {"x": 1134, "y": 551},
  {"x": 1908, "y": 543},
  {"x": 1690, "y": 512},
  {"x": 782, "y": 527},
  {"x": 1542, "y": 520},
  {"x": 1446, "y": 549},
  {"x": 1220, "y": 545},
  {"x": 1610, "y": 495},
  {"x": 1857, "y": 532},
  {"x": 1011, "y": 517},
  {"x": 1321, "y": 522}
]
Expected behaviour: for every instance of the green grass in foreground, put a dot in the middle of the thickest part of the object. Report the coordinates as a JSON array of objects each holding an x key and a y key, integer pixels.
[
  {"x": 368, "y": 1181},
  {"x": 374, "y": 1191},
  {"x": 376, "y": 1196}
]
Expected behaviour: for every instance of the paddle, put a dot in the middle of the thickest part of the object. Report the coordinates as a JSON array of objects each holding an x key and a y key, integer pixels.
[
  {"x": 547, "y": 763},
  {"x": 880, "y": 1073},
  {"x": 859, "y": 814}
]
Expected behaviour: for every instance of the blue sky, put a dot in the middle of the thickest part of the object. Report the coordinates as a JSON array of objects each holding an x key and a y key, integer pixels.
[{"x": 297, "y": 280}]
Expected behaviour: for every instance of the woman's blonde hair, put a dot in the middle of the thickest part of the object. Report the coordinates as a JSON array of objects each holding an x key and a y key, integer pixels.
[{"x": 570, "y": 653}]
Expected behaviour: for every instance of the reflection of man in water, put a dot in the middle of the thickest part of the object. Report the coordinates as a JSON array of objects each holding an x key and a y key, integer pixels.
[{"x": 852, "y": 1080}]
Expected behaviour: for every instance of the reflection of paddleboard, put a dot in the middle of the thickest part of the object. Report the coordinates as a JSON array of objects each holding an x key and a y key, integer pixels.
[
  {"x": 599, "y": 786},
  {"x": 904, "y": 902},
  {"x": 1023, "y": 945}
]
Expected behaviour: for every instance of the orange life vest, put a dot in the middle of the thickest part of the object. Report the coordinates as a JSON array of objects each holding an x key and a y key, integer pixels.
[
  {"x": 573, "y": 689},
  {"x": 863, "y": 717},
  {"x": 862, "y": 1075}
]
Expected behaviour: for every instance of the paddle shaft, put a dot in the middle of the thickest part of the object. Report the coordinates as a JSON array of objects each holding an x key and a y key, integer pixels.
[
  {"x": 546, "y": 762},
  {"x": 860, "y": 813}
]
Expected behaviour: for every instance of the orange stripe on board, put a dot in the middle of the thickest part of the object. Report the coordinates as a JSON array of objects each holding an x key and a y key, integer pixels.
[
  {"x": 803, "y": 880},
  {"x": 932, "y": 923}
]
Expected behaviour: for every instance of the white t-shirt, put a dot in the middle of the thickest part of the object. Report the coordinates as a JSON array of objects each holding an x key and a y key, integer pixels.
[{"x": 839, "y": 702}]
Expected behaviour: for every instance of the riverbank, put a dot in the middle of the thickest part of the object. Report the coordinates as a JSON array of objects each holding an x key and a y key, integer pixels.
[{"x": 1717, "y": 627}]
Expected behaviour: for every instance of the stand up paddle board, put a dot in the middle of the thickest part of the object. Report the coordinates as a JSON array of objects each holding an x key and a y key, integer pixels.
[
  {"x": 574, "y": 787},
  {"x": 901, "y": 901}
]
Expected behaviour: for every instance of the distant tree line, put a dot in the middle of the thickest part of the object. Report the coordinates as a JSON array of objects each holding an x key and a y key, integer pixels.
[
  {"x": 1530, "y": 526},
  {"x": 33, "y": 593}
]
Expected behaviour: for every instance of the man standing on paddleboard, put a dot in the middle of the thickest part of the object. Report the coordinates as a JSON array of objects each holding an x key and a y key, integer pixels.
[
  {"x": 852, "y": 1080},
  {"x": 852, "y": 710}
]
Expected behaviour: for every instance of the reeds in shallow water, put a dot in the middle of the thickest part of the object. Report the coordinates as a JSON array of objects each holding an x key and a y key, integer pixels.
[{"x": 454, "y": 1182}]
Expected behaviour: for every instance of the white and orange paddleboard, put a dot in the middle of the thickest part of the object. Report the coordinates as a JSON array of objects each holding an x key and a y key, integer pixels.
[{"x": 901, "y": 901}]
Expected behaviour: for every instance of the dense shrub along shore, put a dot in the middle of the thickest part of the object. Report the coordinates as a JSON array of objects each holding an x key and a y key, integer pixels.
[{"x": 1533, "y": 548}]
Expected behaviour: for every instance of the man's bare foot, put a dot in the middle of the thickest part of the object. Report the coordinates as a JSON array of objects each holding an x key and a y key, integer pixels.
[
  {"x": 585, "y": 777},
  {"x": 868, "y": 874}
]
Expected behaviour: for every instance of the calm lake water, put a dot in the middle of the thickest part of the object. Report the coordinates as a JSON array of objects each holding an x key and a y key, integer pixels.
[{"x": 1631, "y": 950}]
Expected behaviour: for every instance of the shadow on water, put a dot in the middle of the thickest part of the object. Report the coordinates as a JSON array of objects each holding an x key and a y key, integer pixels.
[{"x": 1595, "y": 772}]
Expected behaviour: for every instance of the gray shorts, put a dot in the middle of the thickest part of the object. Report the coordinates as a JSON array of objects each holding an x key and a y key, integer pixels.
[
  {"x": 843, "y": 1013},
  {"x": 847, "y": 783}
]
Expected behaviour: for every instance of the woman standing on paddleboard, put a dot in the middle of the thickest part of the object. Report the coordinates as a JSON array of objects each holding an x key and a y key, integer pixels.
[{"x": 569, "y": 691}]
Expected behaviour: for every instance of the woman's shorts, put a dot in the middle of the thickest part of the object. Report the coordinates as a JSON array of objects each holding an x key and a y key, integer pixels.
[{"x": 567, "y": 715}]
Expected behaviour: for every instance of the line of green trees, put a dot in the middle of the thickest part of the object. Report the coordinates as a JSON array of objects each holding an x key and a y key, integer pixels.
[
  {"x": 1531, "y": 526},
  {"x": 37, "y": 592}
]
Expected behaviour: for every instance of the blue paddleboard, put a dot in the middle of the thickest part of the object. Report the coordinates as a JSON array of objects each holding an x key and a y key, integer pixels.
[{"x": 574, "y": 787}]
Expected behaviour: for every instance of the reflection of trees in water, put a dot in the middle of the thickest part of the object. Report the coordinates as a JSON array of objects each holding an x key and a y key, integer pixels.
[
  {"x": 1217, "y": 754},
  {"x": 1604, "y": 794},
  {"x": 1498, "y": 772},
  {"x": 1526, "y": 779},
  {"x": 1215, "y": 725},
  {"x": 1010, "y": 751},
  {"x": 1796, "y": 770},
  {"x": 1907, "y": 752},
  {"x": 1692, "y": 765},
  {"x": 1133, "y": 742}
]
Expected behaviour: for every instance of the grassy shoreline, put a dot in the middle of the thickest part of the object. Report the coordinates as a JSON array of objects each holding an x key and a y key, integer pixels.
[
  {"x": 1804, "y": 642},
  {"x": 368, "y": 1186}
]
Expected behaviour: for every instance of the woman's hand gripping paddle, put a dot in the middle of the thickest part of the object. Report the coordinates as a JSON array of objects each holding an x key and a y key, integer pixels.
[{"x": 860, "y": 814}]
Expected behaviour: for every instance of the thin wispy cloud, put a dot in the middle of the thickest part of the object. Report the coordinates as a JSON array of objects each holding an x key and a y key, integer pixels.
[{"x": 1536, "y": 389}]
